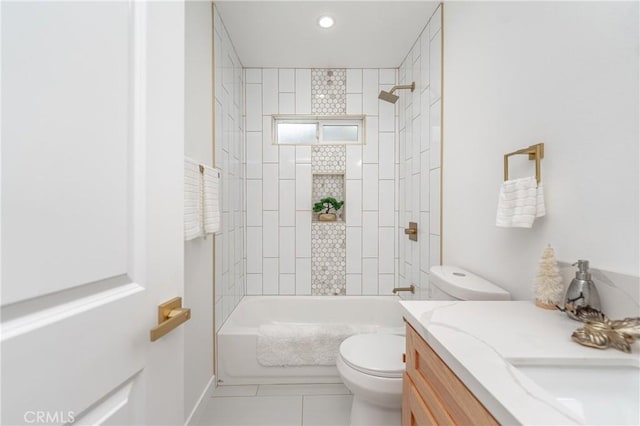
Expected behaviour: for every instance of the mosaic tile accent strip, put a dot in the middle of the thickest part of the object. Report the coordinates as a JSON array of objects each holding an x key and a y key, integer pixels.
[
  {"x": 329, "y": 159},
  {"x": 328, "y": 186},
  {"x": 328, "y": 259},
  {"x": 328, "y": 239},
  {"x": 328, "y": 91}
]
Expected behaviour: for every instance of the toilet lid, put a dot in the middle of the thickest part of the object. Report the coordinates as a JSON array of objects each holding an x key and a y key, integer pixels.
[{"x": 375, "y": 354}]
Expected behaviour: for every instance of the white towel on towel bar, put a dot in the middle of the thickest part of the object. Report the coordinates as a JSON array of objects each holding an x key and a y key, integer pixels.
[
  {"x": 211, "y": 203},
  {"x": 520, "y": 202},
  {"x": 303, "y": 344},
  {"x": 192, "y": 200}
]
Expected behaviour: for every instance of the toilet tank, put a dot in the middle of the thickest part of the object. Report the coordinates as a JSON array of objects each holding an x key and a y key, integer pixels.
[{"x": 453, "y": 283}]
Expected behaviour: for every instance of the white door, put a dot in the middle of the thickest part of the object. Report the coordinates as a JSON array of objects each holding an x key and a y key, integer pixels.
[{"x": 92, "y": 148}]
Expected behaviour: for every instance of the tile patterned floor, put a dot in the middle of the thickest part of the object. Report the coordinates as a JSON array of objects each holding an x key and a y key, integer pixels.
[{"x": 277, "y": 405}]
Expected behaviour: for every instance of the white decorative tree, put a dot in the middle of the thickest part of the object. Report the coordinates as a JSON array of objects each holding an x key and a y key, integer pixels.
[{"x": 548, "y": 286}]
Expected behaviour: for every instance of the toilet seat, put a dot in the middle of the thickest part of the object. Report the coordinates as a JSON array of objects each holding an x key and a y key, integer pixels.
[{"x": 378, "y": 355}]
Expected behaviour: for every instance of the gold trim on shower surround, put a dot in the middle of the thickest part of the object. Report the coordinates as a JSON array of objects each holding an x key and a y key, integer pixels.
[
  {"x": 213, "y": 159},
  {"x": 441, "y": 125}
]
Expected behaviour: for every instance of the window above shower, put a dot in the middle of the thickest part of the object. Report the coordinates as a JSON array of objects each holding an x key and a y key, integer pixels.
[{"x": 318, "y": 130}]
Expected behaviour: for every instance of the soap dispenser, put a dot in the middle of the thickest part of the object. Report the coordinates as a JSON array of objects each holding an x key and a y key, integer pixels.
[{"x": 582, "y": 291}]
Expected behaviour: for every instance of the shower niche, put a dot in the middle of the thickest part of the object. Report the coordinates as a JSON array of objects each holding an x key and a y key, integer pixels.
[{"x": 331, "y": 185}]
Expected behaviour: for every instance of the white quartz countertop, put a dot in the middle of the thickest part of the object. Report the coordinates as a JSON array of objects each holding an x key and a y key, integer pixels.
[{"x": 482, "y": 341}]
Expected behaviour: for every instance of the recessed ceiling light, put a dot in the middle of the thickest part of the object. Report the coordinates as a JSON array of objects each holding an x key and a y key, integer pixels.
[{"x": 325, "y": 21}]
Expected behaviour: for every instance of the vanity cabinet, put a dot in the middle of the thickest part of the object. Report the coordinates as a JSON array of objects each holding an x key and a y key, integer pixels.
[{"x": 432, "y": 394}]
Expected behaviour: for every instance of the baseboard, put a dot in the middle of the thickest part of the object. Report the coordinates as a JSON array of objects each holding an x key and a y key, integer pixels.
[{"x": 206, "y": 394}]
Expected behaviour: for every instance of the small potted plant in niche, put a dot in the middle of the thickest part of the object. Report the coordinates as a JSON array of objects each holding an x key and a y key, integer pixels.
[{"x": 327, "y": 204}]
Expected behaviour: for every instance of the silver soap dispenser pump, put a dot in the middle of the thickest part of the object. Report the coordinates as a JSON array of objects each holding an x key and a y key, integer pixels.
[{"x": 582, "y": 290}]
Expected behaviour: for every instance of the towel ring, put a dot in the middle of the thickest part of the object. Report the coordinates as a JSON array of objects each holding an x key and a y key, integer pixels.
[{"x": 535, "y": 152}]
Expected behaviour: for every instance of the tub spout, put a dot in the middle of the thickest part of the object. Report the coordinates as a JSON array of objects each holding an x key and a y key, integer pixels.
[{"x": 411, "y": 288}]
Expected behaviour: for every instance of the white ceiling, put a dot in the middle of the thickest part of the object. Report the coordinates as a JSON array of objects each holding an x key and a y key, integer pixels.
[{"x": 366, "y": 34}]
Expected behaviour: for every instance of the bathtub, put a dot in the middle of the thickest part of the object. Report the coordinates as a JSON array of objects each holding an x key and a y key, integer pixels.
[{"x": 237, "y": 339}]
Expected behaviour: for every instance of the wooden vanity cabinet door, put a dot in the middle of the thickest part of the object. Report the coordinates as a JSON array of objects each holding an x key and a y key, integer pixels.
[
  {"x": 414, "y": 409},
  {"x": 445, "y": 397}
]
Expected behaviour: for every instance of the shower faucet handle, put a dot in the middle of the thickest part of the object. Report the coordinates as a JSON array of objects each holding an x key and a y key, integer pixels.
[{"x": 412, "y": 231}]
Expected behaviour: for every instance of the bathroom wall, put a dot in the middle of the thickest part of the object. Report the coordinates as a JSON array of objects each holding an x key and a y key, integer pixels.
[
  {"x": 562, "y": 73},
  {"x": 229, "y": 158},
  {"x": 198, "y": 253},
  {"x": 419, "y": 149},
  {"x": 279, "y": 243}
]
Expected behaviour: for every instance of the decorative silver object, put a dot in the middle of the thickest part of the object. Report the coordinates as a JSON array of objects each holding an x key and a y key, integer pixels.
[
  {"x": 581, "y": 291},
  {"x": 600, "y": 332}
]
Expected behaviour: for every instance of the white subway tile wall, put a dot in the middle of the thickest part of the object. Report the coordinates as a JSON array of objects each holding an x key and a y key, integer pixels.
[
  {"x": 287, "y": 202},
  {"x": 354, "y": 250},
  {"x": 303, "y": 234},
  {"x": 354, "y": 161},
  {"x": 354, "y": 198},
  {"x": 354, "y": 81},
  {"x": 419, "y": 170},
  {"x": 270, "y": 278},
  {"x": 287, "y": 250},
  {"x": 303, "y": 187},
  {"x": 370, "y": 276},
  {"x": 230, "y": 127},
  {"x": 270, "y": 234},
  {"x": 303, "y": 91},
  {"x": 285, "y": 175},
  {"x": 354, "y": 284},
  {"x": 303, "y": 154},
  {"x": 303, "y": 274}
]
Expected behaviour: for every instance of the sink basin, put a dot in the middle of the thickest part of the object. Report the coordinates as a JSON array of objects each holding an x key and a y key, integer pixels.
[{"x": 602, "y": 395}]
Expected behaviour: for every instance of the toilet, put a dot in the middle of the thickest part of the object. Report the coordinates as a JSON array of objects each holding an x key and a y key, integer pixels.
[
  {"x": 453, "y": 283},
  {"x": 371, "y": 365}
]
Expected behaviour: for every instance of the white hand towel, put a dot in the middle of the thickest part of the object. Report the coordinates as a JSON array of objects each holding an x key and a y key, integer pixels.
[
  {"x": 211, "y": 203},
  {"x": 192, "y": 200},
  {"x": 540, "y": 208},
  {"x": 520, "y": 202}
]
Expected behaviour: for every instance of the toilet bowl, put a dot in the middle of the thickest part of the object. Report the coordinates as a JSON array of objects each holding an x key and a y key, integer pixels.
[{"x": 371, "y": 366}]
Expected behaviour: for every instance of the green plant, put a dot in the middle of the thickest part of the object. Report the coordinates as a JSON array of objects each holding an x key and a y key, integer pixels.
[{"x": 327, "y": 204}]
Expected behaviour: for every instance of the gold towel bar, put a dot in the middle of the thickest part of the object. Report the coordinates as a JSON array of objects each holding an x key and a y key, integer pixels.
[{"x": 535, "y": 152}]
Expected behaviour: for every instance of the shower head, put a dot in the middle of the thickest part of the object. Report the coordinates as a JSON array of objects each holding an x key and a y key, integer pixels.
[{"x": 390, "y": 97}]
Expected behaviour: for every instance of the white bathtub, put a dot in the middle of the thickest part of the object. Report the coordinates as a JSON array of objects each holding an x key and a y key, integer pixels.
[{"x": 238, "y": 337}]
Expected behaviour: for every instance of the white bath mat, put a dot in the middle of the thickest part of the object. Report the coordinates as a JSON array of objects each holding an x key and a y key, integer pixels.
[{"x": 303, "y": 344}]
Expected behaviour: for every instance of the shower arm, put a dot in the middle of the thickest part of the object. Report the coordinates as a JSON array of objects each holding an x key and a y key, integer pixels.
[{"x": 411, "y": 86}]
